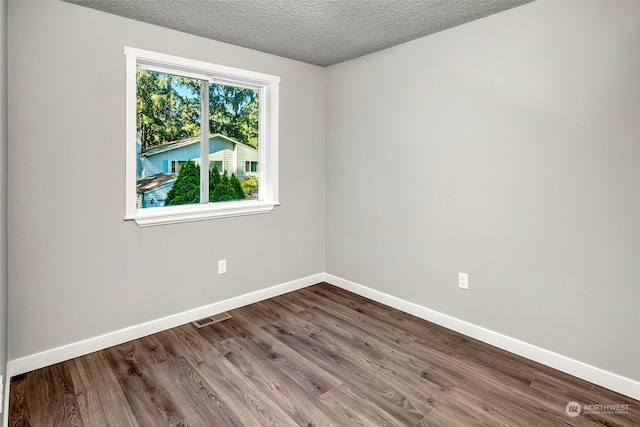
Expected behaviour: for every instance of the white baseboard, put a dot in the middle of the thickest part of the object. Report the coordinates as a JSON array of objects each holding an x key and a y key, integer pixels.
[
  {"x": 69, "y": 351},
  {"x": 598, "y": 376}
]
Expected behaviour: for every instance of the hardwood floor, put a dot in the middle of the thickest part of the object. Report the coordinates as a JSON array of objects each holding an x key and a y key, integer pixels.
[{"x": 318, "y": 356}]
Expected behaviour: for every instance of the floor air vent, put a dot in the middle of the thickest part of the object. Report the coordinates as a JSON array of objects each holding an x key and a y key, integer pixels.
[{"x": 201, "y": 323}]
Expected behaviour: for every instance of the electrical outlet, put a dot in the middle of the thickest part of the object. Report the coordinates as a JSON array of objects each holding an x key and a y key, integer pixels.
[
  {"x": 222, "y": 266},
  {"x": 463, "y": 280}
]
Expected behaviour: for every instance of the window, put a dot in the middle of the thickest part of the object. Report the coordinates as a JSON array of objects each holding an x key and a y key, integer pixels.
[
  {"x": 176, "y": 165},
  {"x": 182, "y": 114},
  {"x": 251, "y": 166},
  {"x": 217, "y": 164}
]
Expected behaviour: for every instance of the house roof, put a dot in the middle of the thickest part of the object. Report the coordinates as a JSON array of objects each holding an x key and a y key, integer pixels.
[
  {"x": 167, "y": 146},
  {"x": 154, "y": 181}
]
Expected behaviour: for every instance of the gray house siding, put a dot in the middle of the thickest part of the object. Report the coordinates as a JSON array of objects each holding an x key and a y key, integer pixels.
[
  {"x": 152, "y": 191},
  {"x": 240, "y": 159},
  {"x": 233, "y": 156},
  {"x": 229, "y": 162},
  {"x": 156, "y": 197},
  {"x": 162, "y": 162}
]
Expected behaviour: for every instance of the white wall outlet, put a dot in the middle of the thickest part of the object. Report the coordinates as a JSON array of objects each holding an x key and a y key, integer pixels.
[
  {"x": 463, "y": 280},
  {"x": 222, "y": 266}
]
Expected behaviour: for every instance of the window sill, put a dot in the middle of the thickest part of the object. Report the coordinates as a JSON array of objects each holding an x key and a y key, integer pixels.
[{"x": 188, "y": 213}]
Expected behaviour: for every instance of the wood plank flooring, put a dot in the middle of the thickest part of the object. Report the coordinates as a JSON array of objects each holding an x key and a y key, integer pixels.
[{"x": 320, "y": 356}]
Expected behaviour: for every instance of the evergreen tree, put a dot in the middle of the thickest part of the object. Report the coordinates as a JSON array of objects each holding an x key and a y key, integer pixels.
[
  {"x": 237, "y": 187},
  {"x": 214, "y": 177},
  {"x": 186, "y": 189},
  {"x": 224, "y": 188},
  {"x": 224, "y": 191}
]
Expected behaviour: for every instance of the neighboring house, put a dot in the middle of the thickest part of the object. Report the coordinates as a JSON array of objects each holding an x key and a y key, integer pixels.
[
  {"x": 158, "y": 166},
  {"x": 226, "y": 153},
  {"x": 152, "y": 191}
]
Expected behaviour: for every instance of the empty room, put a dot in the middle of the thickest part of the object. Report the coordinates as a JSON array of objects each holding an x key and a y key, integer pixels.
[{"x": 320, "y": 213}]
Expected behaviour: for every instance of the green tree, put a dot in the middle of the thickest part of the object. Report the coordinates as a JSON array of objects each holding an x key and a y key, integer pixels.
[
  {"x": 162, "y": 113},
  {"x": 222, "y": 192},
  {"x": 186, "y": 189},
  {"x": 168, "y": 109},
  {"x": 214, "y": 177},
  {"x": 223, "y": 188},
  {"x": 237, "y": 187},
  {"x": 233, "y": 112}
]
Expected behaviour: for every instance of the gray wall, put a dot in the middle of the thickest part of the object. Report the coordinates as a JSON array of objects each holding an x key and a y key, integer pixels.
[
  {"x": 77, "y": 269},
  {"x": 3, "y": 194},
  {"x": 507, "y": 148}
]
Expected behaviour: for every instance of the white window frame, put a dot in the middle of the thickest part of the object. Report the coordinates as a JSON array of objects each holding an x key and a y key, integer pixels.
[
  {"x": 268, "y": 88},
  {"x": 250, "y": 163}
]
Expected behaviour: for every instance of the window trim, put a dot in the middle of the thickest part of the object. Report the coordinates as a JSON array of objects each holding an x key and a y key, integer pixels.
[
  {"x": 268, "y": 134},
  {"x": 250, "y": 164}
]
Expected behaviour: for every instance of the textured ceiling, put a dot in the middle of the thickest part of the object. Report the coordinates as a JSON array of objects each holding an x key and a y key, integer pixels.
[{"x": 321, "y": 32}]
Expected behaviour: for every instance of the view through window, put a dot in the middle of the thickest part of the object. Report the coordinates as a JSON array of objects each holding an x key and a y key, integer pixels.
[
  {"x": 170, "y": 109},
  {"x": 201, "y": 138}
]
